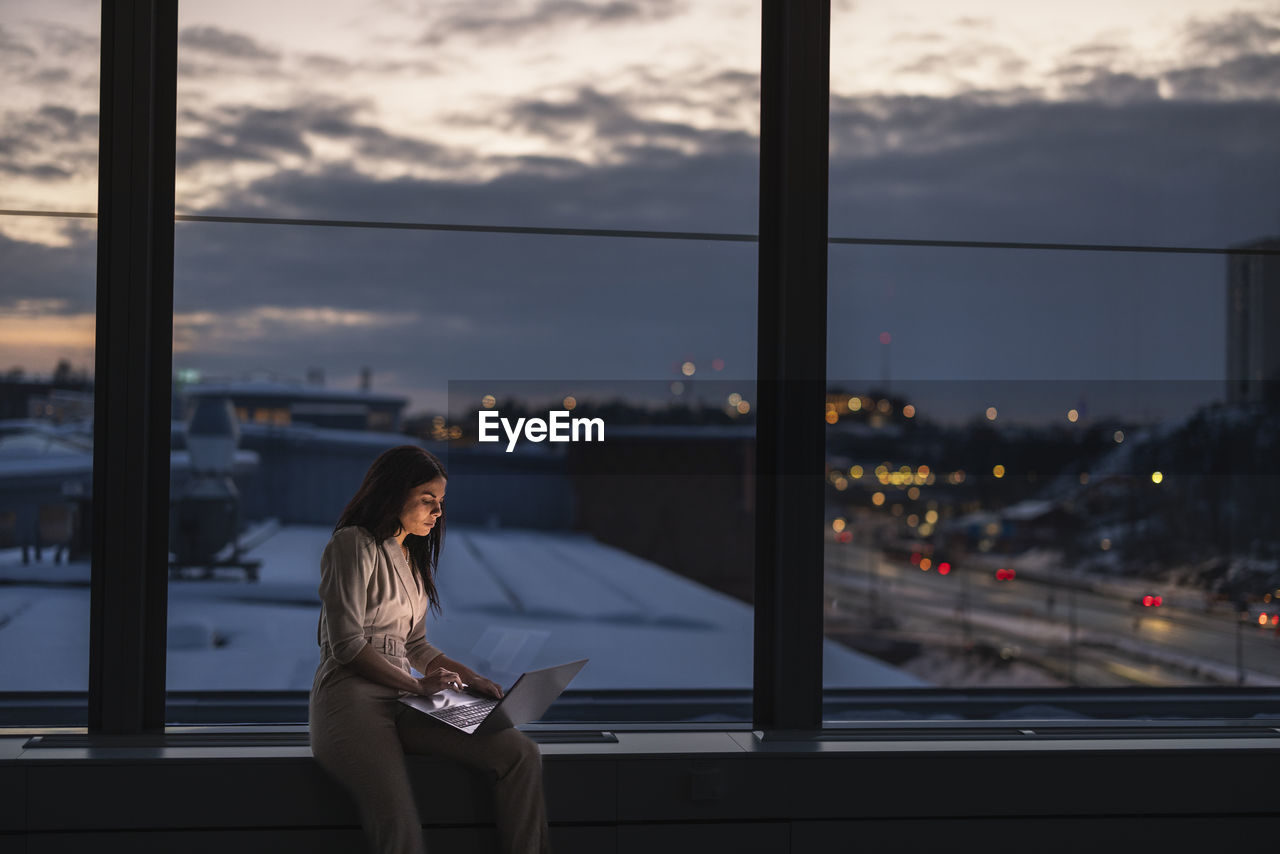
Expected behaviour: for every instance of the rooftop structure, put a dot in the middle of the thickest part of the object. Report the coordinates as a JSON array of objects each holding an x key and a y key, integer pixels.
[
  {"x": 1253, "y": 322},
  {"x": 282, "y": 404}
]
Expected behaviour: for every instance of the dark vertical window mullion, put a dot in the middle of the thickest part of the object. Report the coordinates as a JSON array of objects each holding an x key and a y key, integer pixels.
[
  {"x": 133, "y": 366},
  {"x": 794, "y": 87}
]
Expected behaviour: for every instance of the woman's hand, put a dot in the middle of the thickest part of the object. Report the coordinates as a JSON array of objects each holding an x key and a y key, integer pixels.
[
  {"x": 485, "y": 686},
  {"x": 439, "y": 679}
]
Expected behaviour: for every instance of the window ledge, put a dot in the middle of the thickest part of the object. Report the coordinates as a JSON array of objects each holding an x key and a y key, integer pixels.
[{"x": 646, "y": 778}]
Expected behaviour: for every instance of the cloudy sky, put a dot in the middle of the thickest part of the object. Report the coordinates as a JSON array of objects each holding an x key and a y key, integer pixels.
[{"x": 1153, "y": 123}]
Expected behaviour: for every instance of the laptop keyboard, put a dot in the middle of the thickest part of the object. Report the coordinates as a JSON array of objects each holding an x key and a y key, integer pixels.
[{"x": 464, "y": 716}]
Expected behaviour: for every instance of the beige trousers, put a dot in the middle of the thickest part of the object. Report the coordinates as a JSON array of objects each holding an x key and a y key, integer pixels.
[{"x": 360, "y": 734}]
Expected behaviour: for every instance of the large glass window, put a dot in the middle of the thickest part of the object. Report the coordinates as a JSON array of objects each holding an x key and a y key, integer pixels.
[
  {"x": 48, "y": 163},
  {"x": 332, "y": 342},
  {"x": 429, "y": 211},
  {"x": 1047, "y": 464}
]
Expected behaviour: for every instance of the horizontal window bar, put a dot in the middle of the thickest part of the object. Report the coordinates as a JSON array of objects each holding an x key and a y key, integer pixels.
[
  {"x": 1028, "y": 730},
  {"x": 676, "y": 710},
  {"x": 680, "y": 235}
]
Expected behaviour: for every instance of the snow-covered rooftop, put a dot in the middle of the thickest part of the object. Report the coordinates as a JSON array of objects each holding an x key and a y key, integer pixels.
[{"x": 513, "y": 600}]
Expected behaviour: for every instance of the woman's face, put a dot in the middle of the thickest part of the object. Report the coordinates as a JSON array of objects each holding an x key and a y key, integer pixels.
[{"x": 423, "y": 507}]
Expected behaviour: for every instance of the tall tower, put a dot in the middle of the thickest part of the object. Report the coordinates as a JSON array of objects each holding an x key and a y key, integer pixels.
[{"x": 1253, "y": 322}]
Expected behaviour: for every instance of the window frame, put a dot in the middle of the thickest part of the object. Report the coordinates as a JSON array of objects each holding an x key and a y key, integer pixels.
[
  {"x": 129, "y": 569},
  {"x": 129, "y": 583},
  {"x": 128, "y": 603}
]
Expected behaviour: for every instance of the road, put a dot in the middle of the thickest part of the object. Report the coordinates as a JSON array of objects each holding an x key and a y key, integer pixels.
[{"x": 1081, "y": 636}]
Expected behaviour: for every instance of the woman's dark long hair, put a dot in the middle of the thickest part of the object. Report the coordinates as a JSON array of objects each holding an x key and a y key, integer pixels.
[{"x": 377, "y": 503}]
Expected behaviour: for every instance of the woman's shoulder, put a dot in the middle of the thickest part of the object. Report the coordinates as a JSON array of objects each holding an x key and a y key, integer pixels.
[{"x": 352, "y": 537}]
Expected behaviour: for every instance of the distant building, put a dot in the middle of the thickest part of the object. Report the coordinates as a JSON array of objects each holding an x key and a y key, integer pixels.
[
  {"x": 1253, "y": 322},
  {"x": 679, "y": 496},
  {"x": 46, "y": 400},
  {"x": 283, "y": 404}
]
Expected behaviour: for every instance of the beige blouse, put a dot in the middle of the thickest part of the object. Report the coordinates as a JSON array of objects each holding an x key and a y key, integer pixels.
[{"x": 369, "y": 595}]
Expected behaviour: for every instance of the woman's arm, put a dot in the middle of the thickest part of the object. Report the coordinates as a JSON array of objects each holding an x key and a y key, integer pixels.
[
  {"x": 475, "y": 680},
  {"x": 370, "y": 664},
  {"x": 345, "y": 570},
  {"x": 448, "y": 663}
]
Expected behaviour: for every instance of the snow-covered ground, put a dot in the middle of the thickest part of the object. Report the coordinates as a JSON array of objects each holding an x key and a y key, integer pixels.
[{"x": 513, "y": 600}]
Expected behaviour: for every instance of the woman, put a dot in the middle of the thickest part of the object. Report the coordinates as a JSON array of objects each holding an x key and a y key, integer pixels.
[{"x": 377, "y": 581}]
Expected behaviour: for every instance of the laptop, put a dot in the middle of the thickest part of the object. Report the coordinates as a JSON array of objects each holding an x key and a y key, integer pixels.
[{"x": 528, "y": 699}]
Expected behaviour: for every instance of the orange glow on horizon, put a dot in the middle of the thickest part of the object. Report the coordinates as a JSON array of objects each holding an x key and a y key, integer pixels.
[{"x": 34, "y": 341}]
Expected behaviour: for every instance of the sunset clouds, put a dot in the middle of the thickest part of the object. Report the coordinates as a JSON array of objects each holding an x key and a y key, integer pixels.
[{"x": 1152, "y": 123}]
